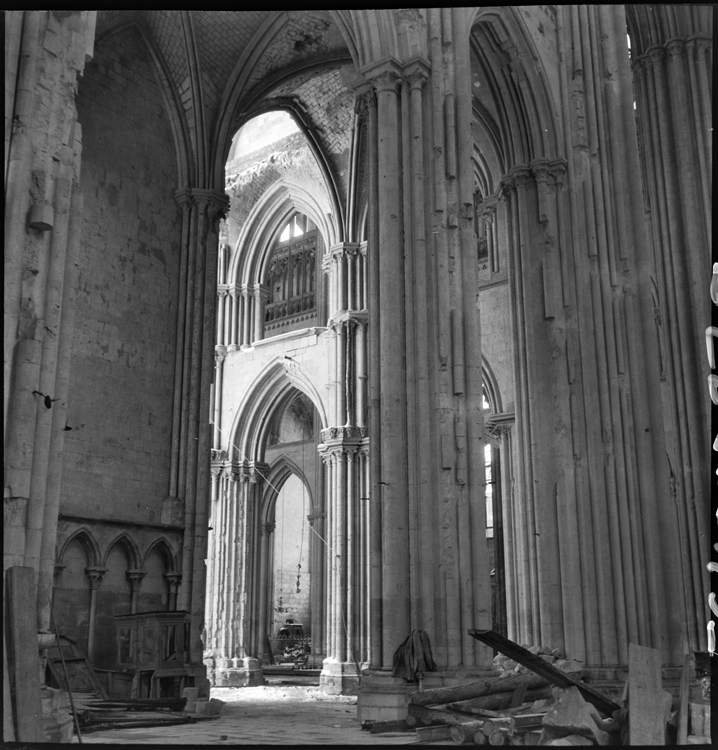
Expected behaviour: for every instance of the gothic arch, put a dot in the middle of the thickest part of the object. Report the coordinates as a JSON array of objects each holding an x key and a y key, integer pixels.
[
  {"x": 248, "y": 433},
  {"x": 89, "y": 544},
  {"x": 234, "y": 97},
  {"x": 130, "y": 548},
  {"x": 502, "y": 45},
  {"x": 255, "y": 242},
  {"x": 280, "y": 471},
  {"x": 493, "y": 393},
  {"x": 164, "y": 548}
]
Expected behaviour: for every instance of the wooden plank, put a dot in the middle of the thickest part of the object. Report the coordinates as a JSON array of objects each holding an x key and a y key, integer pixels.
[
  {"x": 645, "y": 697},
  {"x": 541, "y": 667},
  {"x": 25, "y": 656},
  {"x": 8, "y": 723},
  {"x": 683, "y": 702}
]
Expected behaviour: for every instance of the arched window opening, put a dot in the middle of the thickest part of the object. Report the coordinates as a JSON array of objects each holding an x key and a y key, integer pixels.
[
  {"x": 291, "y": 276},
  {"x": 494, "y": 520}
]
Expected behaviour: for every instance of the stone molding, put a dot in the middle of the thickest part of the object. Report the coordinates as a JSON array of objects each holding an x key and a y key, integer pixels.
[
  {"x": 236, "y": 471},
  {"x": 344, "y": 433}
]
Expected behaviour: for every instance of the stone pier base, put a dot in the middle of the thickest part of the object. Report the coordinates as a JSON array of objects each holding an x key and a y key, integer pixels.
[
  {"x": 339, "y": 678},
  {"x": 385, "y": 698},
  {"x": 238, "y": 672}
]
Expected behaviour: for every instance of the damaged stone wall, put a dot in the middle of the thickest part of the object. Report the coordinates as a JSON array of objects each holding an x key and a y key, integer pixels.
[
  {"x": 123, "y": 363},
  {"x": 117, "y": 452}
]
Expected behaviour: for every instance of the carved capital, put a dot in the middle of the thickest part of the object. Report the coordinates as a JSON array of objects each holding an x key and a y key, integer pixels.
[
  {"x": 343, "y": 433},
  {"x": 173, "y": 581},
  {"x": 675, "y": 48},
  {"x": 135, "y": 578},
  {"x": 268, "y": 527},
  {"x": 416, "y": 72},
  {"x": 519, "y": 178},
  {"x": 183, "y": 196},
  {"x": 384, "y": 75},
  {"x": 95, "y": 574},
  {"x": 57, "y": 572},
  {"x": 218, "y": 455},
  {"x": 365, "y": 101}
]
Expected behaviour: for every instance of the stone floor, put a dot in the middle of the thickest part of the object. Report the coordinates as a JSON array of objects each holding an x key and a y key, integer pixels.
[{"x": 280, "y": 713}]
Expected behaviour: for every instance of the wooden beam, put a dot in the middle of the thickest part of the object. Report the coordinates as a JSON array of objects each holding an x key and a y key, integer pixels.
[
  {"x": 645, "y": 697},
  {"x": 544, "y": 669},
  {"x": 683, "y": 703}
]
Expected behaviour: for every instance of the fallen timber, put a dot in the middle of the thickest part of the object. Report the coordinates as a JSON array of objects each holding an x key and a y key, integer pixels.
[
  {"x": 541, "y": 667},
  {"x": 469, "y": 690}
]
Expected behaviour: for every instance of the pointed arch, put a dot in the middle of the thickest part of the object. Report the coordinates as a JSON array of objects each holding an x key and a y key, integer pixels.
[
  {"x": 279, "y": 472},
  {"x": 164, "y": 549},
  {"x": 503, "y": 48},
  {"x": 88, "y": 542},
  {"x": 128, "y": 546},
  {"x": 269, "y": 391},
  {"x": 491, "y": 386}
]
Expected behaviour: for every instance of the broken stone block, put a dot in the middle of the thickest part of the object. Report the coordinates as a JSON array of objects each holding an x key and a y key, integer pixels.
[
  {"x": 190, "y": 706},
  {"x": 570, "y": 715},
  {"x": 558, "y": 653},
  {"x": 211, "y": 708},
  {"x": 200, "y": 707},
  {"x": 192, "y": 694},
  {"x": 534, "y": 650},
  {"x": 510, "y": 664}
]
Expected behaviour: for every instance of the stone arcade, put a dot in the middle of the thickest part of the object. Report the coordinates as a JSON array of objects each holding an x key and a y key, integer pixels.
[{"x": 378, "y": 320}]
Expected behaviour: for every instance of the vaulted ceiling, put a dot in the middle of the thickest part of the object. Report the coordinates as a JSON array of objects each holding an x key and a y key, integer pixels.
[{"x": 220, "y": 68}]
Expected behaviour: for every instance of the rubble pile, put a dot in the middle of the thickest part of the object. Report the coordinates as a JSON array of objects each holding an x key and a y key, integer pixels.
[
  {"x": 506, "y": 666},
  {"x": 539, "y": 698}
]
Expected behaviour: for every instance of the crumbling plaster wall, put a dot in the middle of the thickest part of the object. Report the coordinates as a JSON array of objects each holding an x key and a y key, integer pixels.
[{"x": 120, "y": 403}]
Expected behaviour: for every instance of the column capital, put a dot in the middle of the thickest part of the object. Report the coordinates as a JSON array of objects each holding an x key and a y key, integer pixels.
[
  {"x": 417, "y": 72},
  {"x": 268, "y": 527},
  {"x": 95, "y": 574},
  {"x": 220, "y": 353},
  {"x": 365, "y": 100},
  {"x": 384, "y": 74},
  {"x": 173, "y": 581},
  {"x": 343, "y": 433},
  {"x": 183, "y": 196},
  {"x": 135, "y": 578},
  {"x": 218, "y": 455},
  {"x": 519, "y": 176},
  {"x": 548, "y": 171},
  {"x": 312, "y": 517}
]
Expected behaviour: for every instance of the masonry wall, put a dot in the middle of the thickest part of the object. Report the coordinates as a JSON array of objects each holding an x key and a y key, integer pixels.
[
  {"x": 117, "y": 453},
  {"x": 120, "y": 408}
]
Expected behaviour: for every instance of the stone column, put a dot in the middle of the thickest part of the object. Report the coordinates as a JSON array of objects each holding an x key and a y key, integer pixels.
[
  {"x": 95, "y": 576},
  {"x": 265, "y": 585},
  {"x": 42, "y": 220},
  {"x": 194, "y": 394},
  {"x": 425, "y": 415},
  {"x": 318, "y": 588},
  {"x": 598, "y": 458},
  {"x": 173, "y": 583},
  {"x": 672, "y": 75},
  {"x": 220, "y": 353},
  {"x": 135, "y": 577}
]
